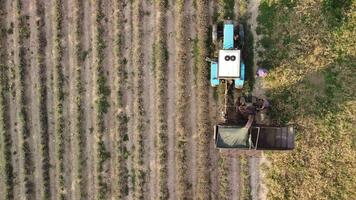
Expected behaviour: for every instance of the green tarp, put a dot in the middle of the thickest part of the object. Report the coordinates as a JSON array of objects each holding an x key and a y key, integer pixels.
[{"x": 232, "y": 137}]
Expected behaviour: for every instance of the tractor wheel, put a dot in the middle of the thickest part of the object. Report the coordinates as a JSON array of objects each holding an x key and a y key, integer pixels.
[
  {"x": 241, "y": 34},
  {"x": 214, "y": 33}
]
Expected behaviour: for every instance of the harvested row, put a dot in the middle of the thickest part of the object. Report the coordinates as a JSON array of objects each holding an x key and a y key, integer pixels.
[
  {"x": 138, "y": 107},
  {"x": 6, "y": 168},
  {"x": 101, "y": 103},
  {"x": 183, "y": 190},
  {"x": 79, "y": 132},
  {"x": 160, "y": 62},
  {"x": 121, "y": 116},
  {"x": 21, "y": 38},
  {"x": 203, "y": 185},
  {"x": 42, "y": 100},
  {"x": 59, "y": 98}
]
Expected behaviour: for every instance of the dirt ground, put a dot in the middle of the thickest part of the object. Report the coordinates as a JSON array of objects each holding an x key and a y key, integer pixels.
[{"x": 88, "y": 99}]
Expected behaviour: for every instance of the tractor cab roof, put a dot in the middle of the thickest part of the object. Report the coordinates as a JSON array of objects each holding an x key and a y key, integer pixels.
[{"x": 229, "y": 64}]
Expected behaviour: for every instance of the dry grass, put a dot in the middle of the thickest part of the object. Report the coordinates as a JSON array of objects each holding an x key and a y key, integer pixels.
[
  {"x": 183, "y": 189},
  {"x": 312, "y": 66},
  {"x": 203, "y": 175}
]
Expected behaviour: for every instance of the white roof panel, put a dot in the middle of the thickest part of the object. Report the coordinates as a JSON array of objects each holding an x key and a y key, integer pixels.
[{"x": 229, "y": 64}]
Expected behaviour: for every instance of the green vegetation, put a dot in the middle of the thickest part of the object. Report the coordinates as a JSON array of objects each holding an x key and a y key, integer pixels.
[
  {"x": 160, "y": 62},
  {"x": 79, "y": 131},
  {"x": 42, "y": 101},
  {"x": 202, "y": 77},
  {"x": 121, "y": 115},
  {"x": 310, "y": 51},
  {"x": 138, "y": 165},
  {"x": 183, "y": 189},
  {"x": 23, "y": 126},
  {"x": 6, "y": 168},
  {"x": 101, "y": 103},
  {"x": 59, "y": 97}
]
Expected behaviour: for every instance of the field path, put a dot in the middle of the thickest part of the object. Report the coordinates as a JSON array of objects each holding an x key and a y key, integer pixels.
[
  {"x": 88, "y": 96},
  {"x": 171, "y": 87},
  {"x": 191, "y": 97},
  {"x": 50, "y": 98},
  {"x": 149, "y": 100}
]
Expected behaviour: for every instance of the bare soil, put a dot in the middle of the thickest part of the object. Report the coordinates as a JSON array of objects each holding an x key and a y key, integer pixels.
[{"x": 149, "y": 94}]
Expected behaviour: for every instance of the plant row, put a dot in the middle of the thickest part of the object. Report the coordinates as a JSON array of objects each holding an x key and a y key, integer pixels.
[
  {"x": 59, "y": 98},
  {"x": 5, "y": 137},
  {"x": 121, "y": 115},
  {"x": 23, "y": 126},
  {"x": 101, "y": 102},
  {"x": 183, "y": 190},
  {"x": 7, "y": 171},
  {"x": 224, "y": 189},
  {"x": 42, "y": 101},
  {"x": 203, "y": 175},
  {"x": 245, "y": 193},
  {"x": 160, "y": 66},
  {"x": 79, "y": 131},
  {"x": 138, "y": 110}
]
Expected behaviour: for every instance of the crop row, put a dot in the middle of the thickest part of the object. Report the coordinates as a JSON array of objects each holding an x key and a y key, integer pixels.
[
  {"x": 23, "y": 126},
  {"x": 7, "y": 171},
  {"x": 42, "y": 100},
  {"x": 223, "y": 177},
  {"x": 246, "y": 190},
  {"x": 121, "y": 116},
  {"x": 79, "y": 131},
  {"x": 59, "y": 97},
  {"x": 160, "y": 62},
  {"x": 101, "y": 103},
  {"x": 138, "y": 172},
  {"x": 181, "y": 102},
  {"x": 203, "y": 175}
]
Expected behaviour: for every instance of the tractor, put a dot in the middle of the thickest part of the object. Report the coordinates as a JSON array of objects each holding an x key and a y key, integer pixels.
[{"x": 244, "y": 122}]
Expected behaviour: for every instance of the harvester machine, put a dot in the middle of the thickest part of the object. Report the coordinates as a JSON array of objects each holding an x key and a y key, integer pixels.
[{"x": 244, "y": 123}]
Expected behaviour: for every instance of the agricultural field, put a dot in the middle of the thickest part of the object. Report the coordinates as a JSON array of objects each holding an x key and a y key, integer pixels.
[{"x": 111, "y": 99}]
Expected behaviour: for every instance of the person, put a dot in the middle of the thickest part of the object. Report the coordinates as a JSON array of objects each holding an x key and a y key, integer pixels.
[{"x": 261, "y": 72}]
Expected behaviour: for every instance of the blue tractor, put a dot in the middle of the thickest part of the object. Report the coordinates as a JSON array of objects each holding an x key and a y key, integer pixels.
[
  {"x": 245, "y": 123},
  {"x": 229, "y": 65}
]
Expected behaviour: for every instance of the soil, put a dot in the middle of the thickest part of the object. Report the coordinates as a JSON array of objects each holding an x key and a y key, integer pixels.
[
  {"x": 258, "y": 189},
  {"x": 88, "y": 107},
  {"x": 171, "y": 100},
  {"x": 149, "y": 93}
]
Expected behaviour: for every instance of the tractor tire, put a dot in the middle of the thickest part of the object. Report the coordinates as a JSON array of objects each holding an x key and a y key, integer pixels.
[{"x": 214, "y": 35}]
